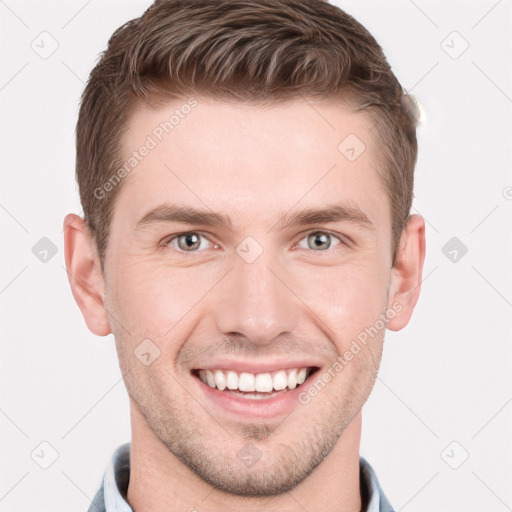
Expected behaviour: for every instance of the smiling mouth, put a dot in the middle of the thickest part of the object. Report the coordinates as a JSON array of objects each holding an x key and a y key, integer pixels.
[{"x": 255, "y": 385}]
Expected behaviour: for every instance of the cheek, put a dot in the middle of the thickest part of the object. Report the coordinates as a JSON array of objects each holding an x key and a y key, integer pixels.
[
  {"x": 350, "y": 300},
  {"x": 154, "y": 300}
]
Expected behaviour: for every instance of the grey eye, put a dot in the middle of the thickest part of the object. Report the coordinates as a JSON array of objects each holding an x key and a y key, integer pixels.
[
  {"x": 319, "y": 240},
  {"x": 189, "y": 242}
]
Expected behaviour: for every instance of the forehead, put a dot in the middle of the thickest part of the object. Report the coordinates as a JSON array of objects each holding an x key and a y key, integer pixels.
[{"x": 252, "y": 160}]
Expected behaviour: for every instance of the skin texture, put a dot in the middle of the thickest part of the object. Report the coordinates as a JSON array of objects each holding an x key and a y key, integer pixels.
[{"x": 252, "y": 164}]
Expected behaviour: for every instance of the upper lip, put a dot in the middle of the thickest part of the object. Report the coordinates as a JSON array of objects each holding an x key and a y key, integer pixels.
[{"x": 258, "y": 366}]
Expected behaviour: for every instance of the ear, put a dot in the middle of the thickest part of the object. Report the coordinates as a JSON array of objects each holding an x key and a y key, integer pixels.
[
  {"x": 85, "y": 275},
  {"x": 407, "y": 273}
]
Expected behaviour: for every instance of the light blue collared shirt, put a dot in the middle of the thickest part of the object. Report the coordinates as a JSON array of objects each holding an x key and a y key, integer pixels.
[{"x": 112, "y": 495}]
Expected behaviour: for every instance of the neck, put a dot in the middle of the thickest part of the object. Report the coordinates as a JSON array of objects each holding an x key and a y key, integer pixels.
[{"x": 160, "y": 482}]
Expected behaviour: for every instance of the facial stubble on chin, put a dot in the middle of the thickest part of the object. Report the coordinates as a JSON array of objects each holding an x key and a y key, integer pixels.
[{"x": 293, "y": 458}]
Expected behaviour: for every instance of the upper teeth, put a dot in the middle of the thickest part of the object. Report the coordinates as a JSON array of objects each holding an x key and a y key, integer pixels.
[{"x": 261, "y": 382}]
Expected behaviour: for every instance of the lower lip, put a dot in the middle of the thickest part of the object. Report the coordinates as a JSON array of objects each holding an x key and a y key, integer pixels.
[{"x": 280, "y": 404}]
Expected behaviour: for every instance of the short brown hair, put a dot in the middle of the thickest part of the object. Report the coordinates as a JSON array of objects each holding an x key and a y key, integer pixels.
[{"x": 243, "y": 50}]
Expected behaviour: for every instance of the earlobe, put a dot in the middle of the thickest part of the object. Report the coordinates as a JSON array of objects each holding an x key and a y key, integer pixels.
[
  {"x": 84, "y": 274},
  {"x": 407, "y": 273}
]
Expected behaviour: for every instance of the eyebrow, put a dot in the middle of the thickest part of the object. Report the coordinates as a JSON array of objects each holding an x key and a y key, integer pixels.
[{"x": 194, "y": 216}]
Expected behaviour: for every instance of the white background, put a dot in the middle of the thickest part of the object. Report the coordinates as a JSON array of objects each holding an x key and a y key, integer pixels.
[{"x": 447, "y": 377}]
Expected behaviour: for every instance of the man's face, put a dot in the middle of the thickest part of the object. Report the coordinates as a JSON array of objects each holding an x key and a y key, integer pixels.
[{"x": 254, "y": 294}]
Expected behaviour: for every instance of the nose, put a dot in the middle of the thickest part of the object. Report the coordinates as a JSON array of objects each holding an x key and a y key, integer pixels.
[{"x": 255, "y": 301}]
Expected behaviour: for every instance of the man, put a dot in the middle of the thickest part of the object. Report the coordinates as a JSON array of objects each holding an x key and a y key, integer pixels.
[{"x": 246, "y": 173}]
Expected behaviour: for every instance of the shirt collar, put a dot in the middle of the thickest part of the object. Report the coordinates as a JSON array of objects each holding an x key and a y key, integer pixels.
[
  {"x": 115, "y": 481},
  {"x": 117, "y": 476},
  {"x": 368, "y": 478}
]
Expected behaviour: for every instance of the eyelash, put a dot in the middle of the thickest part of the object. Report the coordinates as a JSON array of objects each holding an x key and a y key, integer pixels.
[{"x": 167, "y": 241}]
